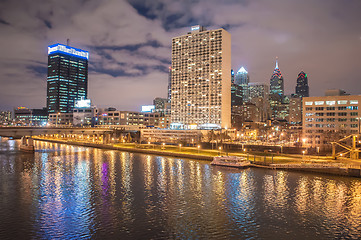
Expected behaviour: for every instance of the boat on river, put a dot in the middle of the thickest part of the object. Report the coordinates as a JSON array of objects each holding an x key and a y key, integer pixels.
[{"x": 231, "y": 161}]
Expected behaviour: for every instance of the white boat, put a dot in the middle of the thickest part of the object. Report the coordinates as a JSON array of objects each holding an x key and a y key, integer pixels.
[{"x": 231, "y": 161}]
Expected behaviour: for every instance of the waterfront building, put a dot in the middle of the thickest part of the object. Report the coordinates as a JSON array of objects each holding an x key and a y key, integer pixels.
[
  {"x": 30, "y": 117},
  {"x": 60, "y": 119},
  {"x": 84, "y": 113},
  {"x": 5, "y": 118},
  {"x": 302, "y": 89},
  {"x": 201, "y": 79},
  {"x": 330, "y": 118},
  {"x": 114, "y": 118},
  {"x": 67, "y": 77}
]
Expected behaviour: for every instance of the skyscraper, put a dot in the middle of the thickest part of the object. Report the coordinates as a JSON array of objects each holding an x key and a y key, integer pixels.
[
  {"x": 242, "y": 79},
  {"x": 302, "y": 89},
  {"x": 276, "y": 81},
  {"x": 201, "y": 79},
  {"x": 278, "y": 102},
  {"x": 67, "y": 77}
]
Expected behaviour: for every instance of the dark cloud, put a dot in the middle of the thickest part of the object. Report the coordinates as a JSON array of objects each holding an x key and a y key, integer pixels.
[
  {"x": 2, "y": 21},
  {"x": 130, "y": 43}
]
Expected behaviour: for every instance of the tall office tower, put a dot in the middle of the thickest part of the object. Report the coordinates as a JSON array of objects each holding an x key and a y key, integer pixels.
[
  {"x": 276, "y": 81},
  {"x": 232, "y": 76},
  {"x": 201, "y": 79},
  {"x": 277, "y": 99},
  {"x": 67, "y": 77},
  {"x": 242, "y": 79},
  {"x": 302, "y": 85}
]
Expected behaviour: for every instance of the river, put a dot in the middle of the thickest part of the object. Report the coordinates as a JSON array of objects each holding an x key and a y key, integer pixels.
[{"x": 67, "y": 192}]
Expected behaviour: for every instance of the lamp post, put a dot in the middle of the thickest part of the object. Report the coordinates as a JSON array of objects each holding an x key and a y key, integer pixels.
[
  {"x": 303, "y": 155},
  {"x": 198, "y": 148},
  {"x": 180, "y": 147},
  {"x": 220, "y": 150},
  {"x": 163, "y": 146}
]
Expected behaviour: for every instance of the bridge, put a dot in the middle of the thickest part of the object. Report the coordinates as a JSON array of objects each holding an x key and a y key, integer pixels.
[{"x": 18, "y": 132}]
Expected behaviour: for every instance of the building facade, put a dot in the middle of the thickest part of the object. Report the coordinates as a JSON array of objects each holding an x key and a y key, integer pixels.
[
  {"x": 30, "y": 117},
  {"x": 279, "y": 104},
  {"x": 295, "y": 111},
  {"x": 302, "y": 89},
  {"x": 330, "y": 118},
  {"x": 114, "y": 118},
  {"x": 60, "y": 119},
  {"x": 5, "y": 118},
  {"x": 201, "y": 79},
  {"x": 67, "y": 77},
  {"x": 242, "y": 79}
]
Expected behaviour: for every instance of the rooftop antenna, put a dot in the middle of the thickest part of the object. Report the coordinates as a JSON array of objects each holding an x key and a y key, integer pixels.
[
  {"x": 67, "y": 42},
  {"x": 276, "y": 62}
]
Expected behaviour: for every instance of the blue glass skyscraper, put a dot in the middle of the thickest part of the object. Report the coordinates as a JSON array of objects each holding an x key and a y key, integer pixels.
[{"x": 67, "y": 77}]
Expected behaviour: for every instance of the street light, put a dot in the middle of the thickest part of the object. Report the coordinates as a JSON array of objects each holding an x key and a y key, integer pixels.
[
  {"x": 220, "y": 150},
  {"x": 180, "y": 147},
  {"x": 198, "y": 148},
  {"x": 163, "y": 145}
]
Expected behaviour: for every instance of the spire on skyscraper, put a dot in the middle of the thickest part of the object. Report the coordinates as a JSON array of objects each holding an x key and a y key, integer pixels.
[{"x": 276, "y": 63}]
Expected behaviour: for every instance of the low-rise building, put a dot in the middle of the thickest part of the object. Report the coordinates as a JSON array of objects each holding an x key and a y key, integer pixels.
[
  {"x": 112, "y": 117},
  {"x": 60, "y": 119},
  {"x": 30, "y": 117},
  {"x": 329, "y": 118}
]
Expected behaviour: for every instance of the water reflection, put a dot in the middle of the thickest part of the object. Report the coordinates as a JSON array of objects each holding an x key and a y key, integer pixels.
[{"x": 75, "y": 192}]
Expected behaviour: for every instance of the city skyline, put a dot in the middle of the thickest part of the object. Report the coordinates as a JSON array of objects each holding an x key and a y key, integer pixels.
[{"x": 130, "y": 45}]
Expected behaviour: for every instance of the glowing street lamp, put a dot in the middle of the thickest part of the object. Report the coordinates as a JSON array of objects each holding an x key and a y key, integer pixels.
[
  {"x": 220, "y": 150},
  {"x": 180, "y": 147},
  {"x": 198, "y": 148}
]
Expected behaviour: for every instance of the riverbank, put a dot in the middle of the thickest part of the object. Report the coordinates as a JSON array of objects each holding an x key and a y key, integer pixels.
[{"x": 289, "y": 163}]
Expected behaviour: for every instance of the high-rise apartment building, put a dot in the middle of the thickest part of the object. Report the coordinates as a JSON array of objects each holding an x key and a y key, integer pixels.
[
  {"x": 201, "y": 79},
  {"x": 67, "y": 77},
  {"x": 302, "y": 89}
]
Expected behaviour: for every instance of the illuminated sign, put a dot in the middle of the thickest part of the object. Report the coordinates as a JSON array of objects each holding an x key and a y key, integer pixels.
[
  {"x": 83, "y": 103},
  {"x": 59, "y": 48},
  {"x": 195, "y": 28},
  {"x": 148, "y": 108}
]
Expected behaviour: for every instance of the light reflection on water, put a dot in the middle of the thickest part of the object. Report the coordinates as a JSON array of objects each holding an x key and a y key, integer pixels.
[{"x": 76, "y": 192}]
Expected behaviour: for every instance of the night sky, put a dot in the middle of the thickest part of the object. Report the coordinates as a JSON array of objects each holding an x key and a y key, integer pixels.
[{"x": 130, "y": 44}]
